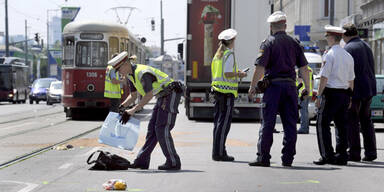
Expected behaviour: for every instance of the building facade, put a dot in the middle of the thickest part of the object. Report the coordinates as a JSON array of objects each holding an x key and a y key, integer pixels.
[{"x": 367, "y": 15}]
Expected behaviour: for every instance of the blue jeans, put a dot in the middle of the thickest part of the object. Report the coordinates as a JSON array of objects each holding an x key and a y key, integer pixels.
[{"x": 304, "y": 120}]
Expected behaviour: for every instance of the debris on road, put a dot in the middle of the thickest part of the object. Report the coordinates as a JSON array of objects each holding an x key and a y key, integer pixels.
[
  {"x": 115, "y": 184},
  {"x": 62, "y": 147}
]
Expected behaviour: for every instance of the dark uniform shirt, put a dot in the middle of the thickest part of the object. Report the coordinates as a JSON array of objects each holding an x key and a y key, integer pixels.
[
  {"x": 365, "y": 82},
  {"x": 146, "y": 80},
  {"x": 279, "y": 54}
]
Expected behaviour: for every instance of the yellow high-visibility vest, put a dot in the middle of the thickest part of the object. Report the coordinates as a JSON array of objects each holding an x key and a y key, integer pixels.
[
  {"x": 310, "y": 92},
  {"x": 111, "y": 90},
  {"x": 219, "y": 82},
  {"x": 162, "y": 79}
]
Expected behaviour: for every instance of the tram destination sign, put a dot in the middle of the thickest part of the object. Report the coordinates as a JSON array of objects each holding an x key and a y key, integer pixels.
[{"x": 92, "y": 36}]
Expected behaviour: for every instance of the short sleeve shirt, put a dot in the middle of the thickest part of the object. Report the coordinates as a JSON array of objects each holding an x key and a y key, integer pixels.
[
  {"x": 338, "y": 68},
  {"x": 229, "y": 64},
  {"x": 279, "y": 54},
  {"x": 146, "y": 80}
]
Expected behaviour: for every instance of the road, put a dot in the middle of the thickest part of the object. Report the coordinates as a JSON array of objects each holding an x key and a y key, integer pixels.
[{"x": 26, "y": 128}]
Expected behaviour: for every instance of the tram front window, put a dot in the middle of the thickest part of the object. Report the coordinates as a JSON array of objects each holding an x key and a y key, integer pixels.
[
  {"x": 91, "y": 54},
  {"x": 5, "y": 78}
]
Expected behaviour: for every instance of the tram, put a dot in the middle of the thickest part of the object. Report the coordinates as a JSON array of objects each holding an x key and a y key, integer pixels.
[{"x": 87, "y": 47}]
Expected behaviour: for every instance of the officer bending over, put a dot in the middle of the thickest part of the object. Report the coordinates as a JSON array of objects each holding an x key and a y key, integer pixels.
[
  {"x": 278, "y": 56},
  {"x": 149, "y": 82}
]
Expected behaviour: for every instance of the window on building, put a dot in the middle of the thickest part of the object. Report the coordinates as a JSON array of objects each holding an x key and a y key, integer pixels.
[{"x": 326, "y": 8}]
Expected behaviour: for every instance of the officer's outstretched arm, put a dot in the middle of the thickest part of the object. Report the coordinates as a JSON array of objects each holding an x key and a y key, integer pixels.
[
  {"x": 148, "y": 96},
  {"x": 130, "y": 99}
]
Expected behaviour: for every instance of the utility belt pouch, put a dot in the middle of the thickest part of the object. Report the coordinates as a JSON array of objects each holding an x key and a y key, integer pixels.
[{"x": 262, "y": 85}]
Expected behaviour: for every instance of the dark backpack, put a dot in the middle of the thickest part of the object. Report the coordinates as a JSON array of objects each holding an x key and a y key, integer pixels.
[{"x": 108, "y": 161}]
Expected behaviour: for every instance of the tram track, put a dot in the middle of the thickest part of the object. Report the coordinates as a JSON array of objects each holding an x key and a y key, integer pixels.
[
  {"x": 10, "y": 120},
  {"x": 43, "y": 150}
]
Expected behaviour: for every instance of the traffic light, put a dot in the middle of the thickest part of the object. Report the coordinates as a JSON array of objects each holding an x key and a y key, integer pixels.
[
  {"x": 180, "y": 48},
  {"x": 153, "y": 24},
  {"x": 37, "y": 37}
]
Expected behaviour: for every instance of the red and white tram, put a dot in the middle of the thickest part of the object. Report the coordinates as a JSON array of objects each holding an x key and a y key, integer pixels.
[{"x": 87, "y": 47}]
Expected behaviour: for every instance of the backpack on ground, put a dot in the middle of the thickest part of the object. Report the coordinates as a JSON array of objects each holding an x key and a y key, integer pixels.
[{"x": 108, "y": 161}]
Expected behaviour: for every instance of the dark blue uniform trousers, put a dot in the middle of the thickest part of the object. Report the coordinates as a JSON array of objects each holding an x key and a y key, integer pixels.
[
  {"x": 360, "y": 113},
  {"x": 333, "y": 107},
  {"x": 222, "y": 122},
  {"x": 280, "y": 97},
  {"x": 159, "y": 127}
]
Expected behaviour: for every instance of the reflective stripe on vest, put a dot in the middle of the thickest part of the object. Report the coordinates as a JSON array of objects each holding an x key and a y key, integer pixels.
[
  {"x": 310, "y": 83},
  {"x": 111, "y": 90},
  {"x": 219, "y": 82},
  {"x": 162, "y": 79}
]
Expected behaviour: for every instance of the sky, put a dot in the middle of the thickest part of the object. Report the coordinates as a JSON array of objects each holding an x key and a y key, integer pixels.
[{"x": 35, "y": 12}]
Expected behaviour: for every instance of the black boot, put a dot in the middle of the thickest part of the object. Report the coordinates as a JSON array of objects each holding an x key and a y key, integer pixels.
[{"x": 167, "y": 166}]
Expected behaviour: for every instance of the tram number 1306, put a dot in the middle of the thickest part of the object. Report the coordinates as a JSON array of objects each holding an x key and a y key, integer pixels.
[{"x": 91, "y": 74}]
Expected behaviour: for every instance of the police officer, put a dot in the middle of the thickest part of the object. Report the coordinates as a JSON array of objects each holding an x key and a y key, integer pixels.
[
  {"x": 333, "y": 99},
  {"x": 364, "y": 90},
  {"x": 278, "y": 56},
  {"x": 225, "y": 76},
  {"x": 303, "y": 103},
  {"x": 149, "y": 82},
  {"x": 112, "y": 87}
]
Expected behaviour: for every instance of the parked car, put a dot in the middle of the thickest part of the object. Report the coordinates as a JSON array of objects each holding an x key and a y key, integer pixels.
[
  {"x": 314, "y": 61},
  {"x": 54, "y": 93},
  {"x": 312, "y": 110},
  {"x": 377, "y": 105},
  {"x": 39, "y": 89}
]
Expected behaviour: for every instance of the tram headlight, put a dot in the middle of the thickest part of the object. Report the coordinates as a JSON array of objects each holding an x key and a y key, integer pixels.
[
  {"x": 10, "y": 95},
  {"x": 91, "y": 87}
]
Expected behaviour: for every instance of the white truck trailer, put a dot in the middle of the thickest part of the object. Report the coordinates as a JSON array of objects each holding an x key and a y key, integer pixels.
[{"x": 205, "y": 20}]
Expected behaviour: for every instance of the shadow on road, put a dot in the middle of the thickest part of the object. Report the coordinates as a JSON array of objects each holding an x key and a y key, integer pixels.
[
  {"x": 155, "y": 171},
  {"x": 308, "y": 168}
]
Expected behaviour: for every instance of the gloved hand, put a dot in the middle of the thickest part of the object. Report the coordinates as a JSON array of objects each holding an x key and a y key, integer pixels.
[
  {"x": 304, "y": 94},
  {"x": 125, "y": 117},
  {"x": 121, "y": 109}
]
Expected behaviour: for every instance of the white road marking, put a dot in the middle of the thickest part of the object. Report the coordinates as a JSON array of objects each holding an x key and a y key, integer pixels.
[
  {"x": 28, "y": 188},
  {"x": 66, "y": 166}
]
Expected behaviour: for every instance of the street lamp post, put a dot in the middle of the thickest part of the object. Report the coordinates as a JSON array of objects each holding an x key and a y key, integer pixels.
[
  {"x": 162, "y": 28},
  {"x": 6, "y": 30}
]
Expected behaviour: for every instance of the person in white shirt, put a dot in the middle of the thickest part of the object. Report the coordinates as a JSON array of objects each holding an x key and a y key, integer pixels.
[{"x": 334, "y": 98}]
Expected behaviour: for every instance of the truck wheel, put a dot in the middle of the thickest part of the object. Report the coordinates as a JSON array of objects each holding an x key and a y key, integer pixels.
[
  {"x": 30, "y": 101},
  {"x": 37, "y": 101}
]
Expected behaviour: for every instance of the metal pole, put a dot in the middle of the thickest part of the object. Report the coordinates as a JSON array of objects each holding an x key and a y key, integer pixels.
[
  {"x": 162, "y": 28},
  {"x": 332, "y": 12},
  {"x": 6, "y": 30},
  {"x": 349, "y": 7},
  {"x": 48, "y": 44},
  {"x": 281, "y": 5},
  {"x": 26, "y": 43}
]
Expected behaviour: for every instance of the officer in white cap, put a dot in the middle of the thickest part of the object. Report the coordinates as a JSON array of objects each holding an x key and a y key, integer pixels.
[
  {"x": 276, "y": 61},
  {"x": 225, "y": 77},
  {"x": 333, "y": 99},
  {"x": 113, "y": 83},
  {"x": 150, "y": 82}
]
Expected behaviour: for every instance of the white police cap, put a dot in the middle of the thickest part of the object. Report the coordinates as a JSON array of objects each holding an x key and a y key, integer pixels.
[
  {"x": 334, "y": 29},
  {"x": 277, "y": 16},
  {"x": 227, "y": 34},
  {"x": 119, "y": 59}
]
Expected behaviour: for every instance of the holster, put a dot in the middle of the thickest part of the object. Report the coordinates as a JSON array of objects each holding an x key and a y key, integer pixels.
[{"x": 175, "y": 86}]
